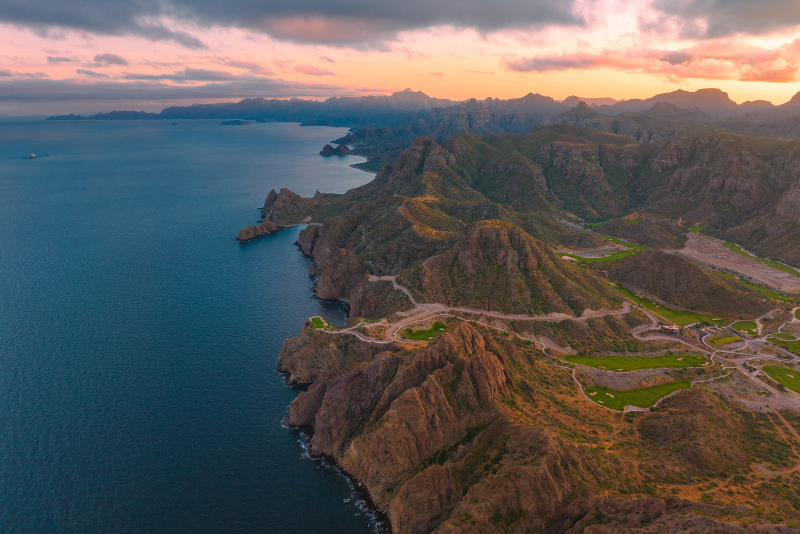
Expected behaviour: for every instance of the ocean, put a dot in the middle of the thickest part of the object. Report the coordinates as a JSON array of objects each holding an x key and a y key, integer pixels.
[{"x": 139, "y": 340}]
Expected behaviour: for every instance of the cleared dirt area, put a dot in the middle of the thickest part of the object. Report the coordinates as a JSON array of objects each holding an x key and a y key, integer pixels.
[{"x": 708, "y": 251}]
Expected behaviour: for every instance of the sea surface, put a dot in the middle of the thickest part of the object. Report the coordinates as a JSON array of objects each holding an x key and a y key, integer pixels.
[{"x": 138, "y": 340}]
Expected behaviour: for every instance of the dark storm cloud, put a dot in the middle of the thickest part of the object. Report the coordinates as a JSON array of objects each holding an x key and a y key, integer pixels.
[
  {"x": 720, "y": 18},
  {"x": 346, "y": 22}
]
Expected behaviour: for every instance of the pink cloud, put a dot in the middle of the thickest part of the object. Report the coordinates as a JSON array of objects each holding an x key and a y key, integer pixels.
[
  {"x": 710, "y": 60},
  {"x": 313, "y": 71}
]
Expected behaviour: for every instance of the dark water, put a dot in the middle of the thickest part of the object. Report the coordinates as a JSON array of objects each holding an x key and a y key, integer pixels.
[{"x": 138, "y": 341}]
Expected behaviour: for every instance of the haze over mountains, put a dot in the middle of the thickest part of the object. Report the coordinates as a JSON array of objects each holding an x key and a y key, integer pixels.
[{"x": 713, "y": 102}]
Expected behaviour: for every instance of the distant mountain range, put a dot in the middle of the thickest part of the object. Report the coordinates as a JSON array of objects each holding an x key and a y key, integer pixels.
[{"x": 353, "y": 111}]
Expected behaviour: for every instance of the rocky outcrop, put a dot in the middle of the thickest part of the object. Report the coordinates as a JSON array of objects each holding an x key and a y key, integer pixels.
[
  {"x": 341, "y": 150},
  {"x": 257, "y": 230}
]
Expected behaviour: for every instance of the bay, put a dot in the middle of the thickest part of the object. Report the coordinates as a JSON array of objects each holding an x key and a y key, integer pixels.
[{"x": 138, "y": 340}]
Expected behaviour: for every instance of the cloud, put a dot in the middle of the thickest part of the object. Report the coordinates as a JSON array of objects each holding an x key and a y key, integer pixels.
[
  {"x": 186, "y": 75},
  {"x": 104, "y": 60},
  {"x": 570, "y": 61},
  {"x": 348, "y": 23},
  {"x": 60, "y": 59},
  {"x": 93, "y": 74},
  {"x": 711, "y": 19},
  {"x": 437, "y": 73},
  {"x": 328, "y": 59},
  {"x": 709, "y": 60},
  {"x": 255, "y": 68},
  {"x": 6, "y": 73},
  {"x": 282, "y": 63},
  {"x": 313, "y": 71}
]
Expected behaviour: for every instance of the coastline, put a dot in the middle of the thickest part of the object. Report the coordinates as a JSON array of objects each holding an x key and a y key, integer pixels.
[{"x": 378, "y": 517}]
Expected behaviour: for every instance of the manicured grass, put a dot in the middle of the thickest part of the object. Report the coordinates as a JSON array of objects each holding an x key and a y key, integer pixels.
[
  {"x": 766, "y": 291},
  {"x": 797, "y": 314},
  {"x": 791, "y": 346},
  {"x": 724, "y": 340},
  {"x": 782, "y": 335},
  {"x": 594, "y": 225},
  {"x": 679, "y": 317},
  {"x": 748, "y": 327},
  {"x": 319, "y": 322},
  {"x": 425, "y": 335},
  {"x": 643, "y": 398},
  {"x": 697, "y": 228},
  {"x": 788, "y": 377},
  {"x": 633, "y": 221},
  {"x": 733, "y": 247},
  {"x": 632, "y": 249},
  {"x": 634, "y": 363}
]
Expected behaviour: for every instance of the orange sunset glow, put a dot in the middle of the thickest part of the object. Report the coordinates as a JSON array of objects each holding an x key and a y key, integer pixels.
[{"x": 112, "y": 57}]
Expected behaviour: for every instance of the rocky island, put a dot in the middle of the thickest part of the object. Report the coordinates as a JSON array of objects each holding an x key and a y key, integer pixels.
[{"x": 486, "y": 383}]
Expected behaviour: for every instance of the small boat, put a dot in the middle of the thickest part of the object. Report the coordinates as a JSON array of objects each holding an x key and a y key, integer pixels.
[
  {"x": 174, "y": 123},
  {"x": 32, "y": 156}
]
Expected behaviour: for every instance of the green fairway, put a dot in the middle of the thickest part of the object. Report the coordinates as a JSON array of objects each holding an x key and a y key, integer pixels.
[
  {"x": 643, "y": 398},
  {"x": 766, "y": 291},
  {"x": 594, "y": 224},
  {"x": 319, "y": 322},
  {"x": 733, "y": 247},
  {"x": 797, "y": 314},
  {"x": 791, "y": 346},
  {"x": 425, "y": 335},
  {"x": 679, "y": 317},
  {"x": 632, "y": 249},
  {"x": 725, "y": 340},
  {"x": 748, "y": 327},
  {"x": 781, "y": 335},
  {"x": 697, "y": 228},
  {"x": 634, "y": 363},
  {"x": 788, "y": 377}
]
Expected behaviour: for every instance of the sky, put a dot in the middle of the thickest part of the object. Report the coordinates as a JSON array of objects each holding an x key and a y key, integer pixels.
[{"x": 99, "y": 55}]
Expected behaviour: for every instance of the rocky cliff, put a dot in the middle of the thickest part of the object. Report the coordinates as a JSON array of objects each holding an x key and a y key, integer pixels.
[{"x": 475, "y": 433}]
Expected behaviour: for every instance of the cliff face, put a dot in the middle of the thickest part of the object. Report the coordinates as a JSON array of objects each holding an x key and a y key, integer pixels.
[{"x": 430, "y": 436}]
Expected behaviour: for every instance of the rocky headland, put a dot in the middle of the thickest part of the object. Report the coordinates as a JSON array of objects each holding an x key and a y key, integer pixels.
[{"x": 481, "y": 428}]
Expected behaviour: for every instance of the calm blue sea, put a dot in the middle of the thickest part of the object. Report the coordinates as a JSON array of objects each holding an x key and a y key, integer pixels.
[{"x": 138, "y": 340}]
